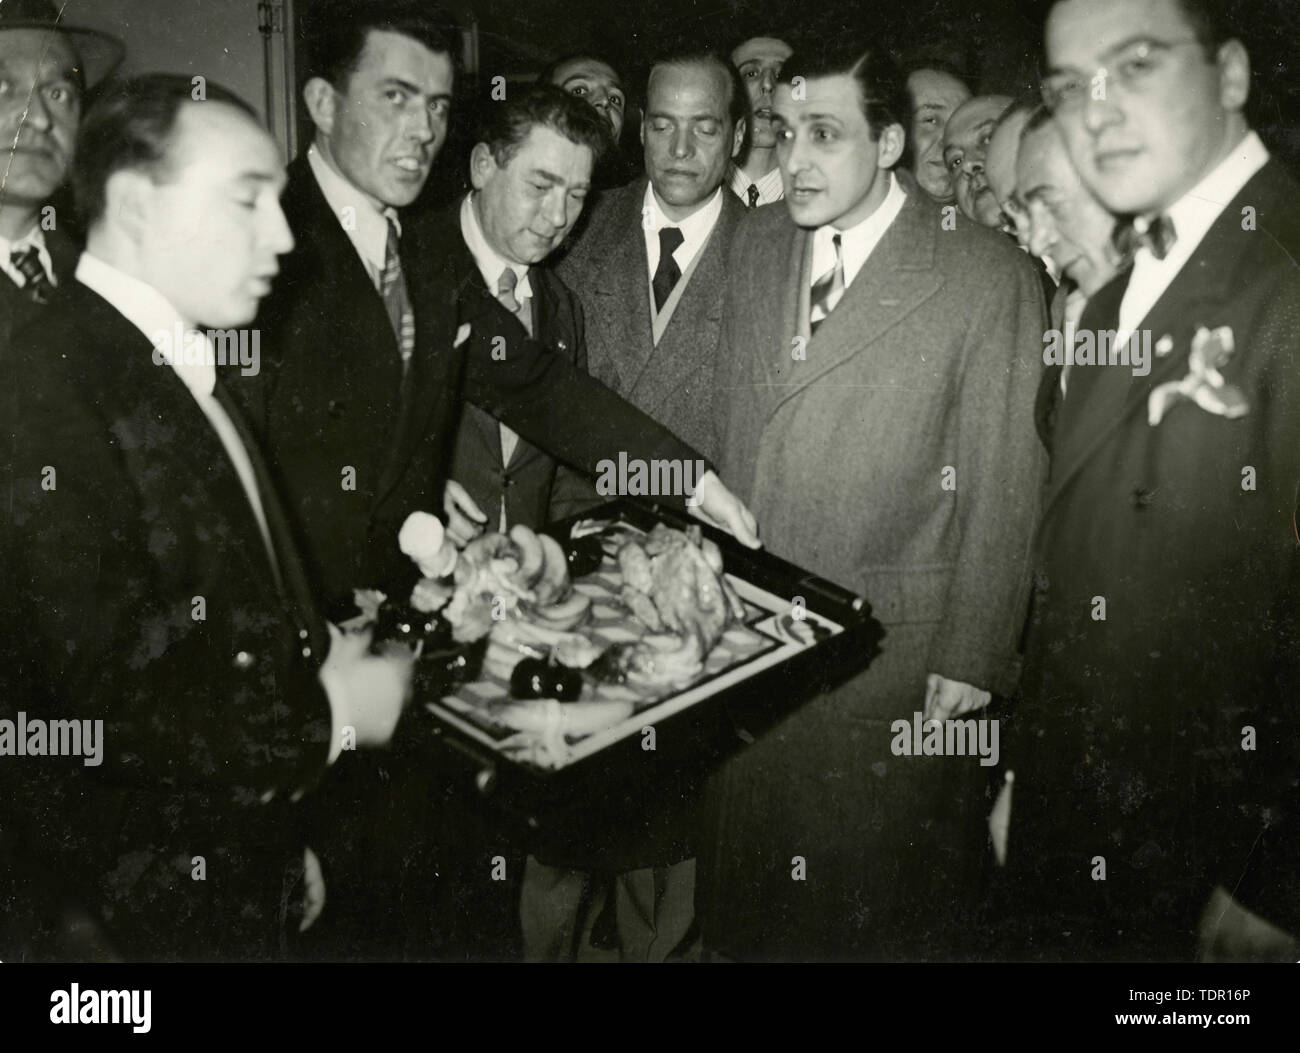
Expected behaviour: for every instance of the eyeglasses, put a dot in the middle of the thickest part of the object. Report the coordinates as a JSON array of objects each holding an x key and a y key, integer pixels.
[{"x": 1131, "y": 67}]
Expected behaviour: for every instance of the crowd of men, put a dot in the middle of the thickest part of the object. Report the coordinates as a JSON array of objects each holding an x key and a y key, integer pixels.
[{"x": 1025, "y": 373}]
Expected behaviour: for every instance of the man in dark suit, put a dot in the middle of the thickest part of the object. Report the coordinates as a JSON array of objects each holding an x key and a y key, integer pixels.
[
  {"x": 650, "y": 270},
  {"x": 376, "y": 335},
  {"x": 48, "y": 65},
  {"x": 875, "y": 388},
  {"x": 1158, "y": 724},
  {"x": 153, "y": 590}
]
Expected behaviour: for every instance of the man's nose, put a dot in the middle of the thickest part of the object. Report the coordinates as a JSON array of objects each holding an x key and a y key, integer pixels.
[
  {"x": 1042, "y": 236},
  {"x": 277, "y": 235},
  {"x": 1100, "y": 113},
  {"x": 37, "y": 113},
  {"x": 681, "y": 143},
  {"x": 767, "y": 81},
  {"x": 553, "y": 208},
  {"x": 420, "y": 127}
]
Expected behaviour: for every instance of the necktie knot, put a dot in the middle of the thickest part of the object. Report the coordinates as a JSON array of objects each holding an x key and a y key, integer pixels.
[
  {"x": 667, "y": 274},
  {"x": 752, "y": 193},
  {"x": 28, "y": 263},
  {"x": 1157, "y": 236},
  {"x": 828, "y": 289}
]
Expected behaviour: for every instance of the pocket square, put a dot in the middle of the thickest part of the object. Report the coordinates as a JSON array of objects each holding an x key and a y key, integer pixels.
[
  {"x": 1204, "y": 384},
  {"x": 462, "y": 334}
]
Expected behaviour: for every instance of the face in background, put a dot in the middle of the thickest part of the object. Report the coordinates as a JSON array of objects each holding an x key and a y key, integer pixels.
[
  {"x": 1066, "y": 223},
  {"x": 1169, "y": 112},
  {"x": 527, "y": 206},
  {"x": 383, "y": 128},
  {"x": 210, "y": 226},
  {"x": 759, "y": 60},
  {"x": 688, "y": 136},
  {"x": 833, "y": 170},
  {"x": 965, "y": 148},
  {"x": 935, "y": 96},
  {"x": 37, "y": 79},
  {"x": 1000, "y": 168},
  {"x": 595, "y": 83}
]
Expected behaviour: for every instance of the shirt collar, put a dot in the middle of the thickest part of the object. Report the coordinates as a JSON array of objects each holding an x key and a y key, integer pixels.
[
  {"x": 1196, "y": 211},
  {"x": 694, "y": 227},
  {"x": 858, "y": 242},
  {"x": 770, "y": 187},
  {"x": 490, "y": 264},
  {"x": 366, "y": 226},
  {"x": 34, "y": 238},
  {"x": 162, "y": 325}
]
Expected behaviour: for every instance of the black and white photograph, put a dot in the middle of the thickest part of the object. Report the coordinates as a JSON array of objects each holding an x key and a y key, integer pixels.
[{"x": 703, "y": 482}]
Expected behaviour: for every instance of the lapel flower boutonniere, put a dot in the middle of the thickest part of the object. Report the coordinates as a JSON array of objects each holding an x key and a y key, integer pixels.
[
  {"x": 462, "y": 334},
  {"x": 1204, "y": 384}
]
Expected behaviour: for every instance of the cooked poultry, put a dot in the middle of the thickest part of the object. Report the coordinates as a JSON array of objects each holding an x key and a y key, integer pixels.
[{"x": 672, "y": 581}]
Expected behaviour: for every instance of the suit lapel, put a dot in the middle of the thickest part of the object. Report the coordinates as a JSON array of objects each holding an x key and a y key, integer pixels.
[
  {"x": 625, "y": 286},
  {"x": 897, "y": 278},
  {"x": 1110, "y": 395},
  {"x": 195, "y": 448}
]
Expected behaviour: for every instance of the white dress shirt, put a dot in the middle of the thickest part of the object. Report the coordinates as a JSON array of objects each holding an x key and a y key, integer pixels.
[
  {"x": 858, "y": 242},
  {"x": 33, "y": 238},
  {"x": 1192, "y": 216},
  {"x": 150, "y": 312},
  {"x": 491, "y": 266},
  {"x": 365, "y": 226},
  {"x": 770, "y": 187},
  {"x": 695, "y": 229}
]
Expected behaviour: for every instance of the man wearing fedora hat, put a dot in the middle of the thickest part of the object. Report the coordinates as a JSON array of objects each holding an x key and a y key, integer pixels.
[{"x": 45, "y": 68}]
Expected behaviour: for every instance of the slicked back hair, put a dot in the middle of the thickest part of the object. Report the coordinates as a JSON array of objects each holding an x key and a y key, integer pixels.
[
  {"x": 508, "y": 123},
  {"x": 130, "y": 126},
  {"x": 335, "y": 33},
  {"x": 882, "y": 89}
]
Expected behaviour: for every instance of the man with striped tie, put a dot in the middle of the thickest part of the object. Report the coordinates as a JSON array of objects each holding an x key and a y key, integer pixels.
[
  {"x": 45, "y": 68},
  {"x": 875, "y": 389}
]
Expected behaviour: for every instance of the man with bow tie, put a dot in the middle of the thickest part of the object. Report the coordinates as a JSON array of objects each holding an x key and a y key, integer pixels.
[
  {"x": 1158, "y": 724},
  {"x": 45, "y": 69}
]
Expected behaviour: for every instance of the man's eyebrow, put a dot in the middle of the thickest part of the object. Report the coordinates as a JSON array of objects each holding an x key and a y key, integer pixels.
[
  {"x": 256, "y": 175},
  {"x": 557, "y": 180},
  {"x": 1112, "y": 51},
  {"x": 409, "y": 88}
]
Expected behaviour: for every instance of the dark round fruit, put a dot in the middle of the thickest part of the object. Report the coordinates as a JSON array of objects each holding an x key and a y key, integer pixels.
[
  {"x": 536, "y": 678},
  {"x": 585, "y": 555}
]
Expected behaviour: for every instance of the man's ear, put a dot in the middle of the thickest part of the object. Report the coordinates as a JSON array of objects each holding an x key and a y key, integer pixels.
[
  {"x": 322, "y": 104},
  {"x": 482, "y": 165},
  {"x": 126, "y": 199},
  {"x": 890, "y": 145},
  {"x": 738, "y": 139},
  {"x": 1234, "y": 74}
]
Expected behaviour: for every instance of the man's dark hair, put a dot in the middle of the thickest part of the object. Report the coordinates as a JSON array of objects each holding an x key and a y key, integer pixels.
[
  {"x": 130, "y": 125},
  {"x": 335, "y": 33},
  {"x": 882, "y": 89},
  {"x": 573, "y": 56},
  {"x": 737, "y": 103},
  {"x": 507, "y": 124}
]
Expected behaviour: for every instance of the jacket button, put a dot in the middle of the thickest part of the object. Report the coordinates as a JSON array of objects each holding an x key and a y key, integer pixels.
[
  {"x": 244, "y": 660},
  {"x": 336, "y": 408},
  {"x": 306, "y": 652},
  {"x": 1142, "y": 497},
  {"x": 302, "y": 634}
]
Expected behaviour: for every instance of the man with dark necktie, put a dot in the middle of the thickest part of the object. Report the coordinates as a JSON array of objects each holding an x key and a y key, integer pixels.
[
  {"x": 756, "y": 177},
  {"x": 153, "y": 587},
  {"x": 45, "y": 68}
]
